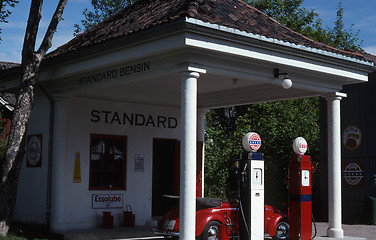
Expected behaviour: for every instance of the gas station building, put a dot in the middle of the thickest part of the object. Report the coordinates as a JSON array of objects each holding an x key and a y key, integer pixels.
[{"x": 118, "y": 118}]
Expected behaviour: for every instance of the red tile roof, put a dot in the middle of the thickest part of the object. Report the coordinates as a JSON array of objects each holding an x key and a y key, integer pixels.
[
  {"x": 369, "y": 57},
  {"x": 146, "y": 14},
  {"x": 8, "y": 65}
]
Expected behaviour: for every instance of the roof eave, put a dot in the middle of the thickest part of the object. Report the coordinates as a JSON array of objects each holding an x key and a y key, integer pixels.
[{"x": 281, "y": 44}]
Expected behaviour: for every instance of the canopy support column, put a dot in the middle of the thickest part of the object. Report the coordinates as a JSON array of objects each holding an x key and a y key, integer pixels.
[
  {"x": 334, "y": 165},
  {"x": 188, "y": 155}
]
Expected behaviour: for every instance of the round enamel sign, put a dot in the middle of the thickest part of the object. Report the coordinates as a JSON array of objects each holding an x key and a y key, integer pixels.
[
  {"x": 352, "y": 137},
  {"x": 34, "y": 150},
  {"x": 353, "y": 174},
  {"x": 251, "y": 142},
  {"x": 300, "y": 146}
]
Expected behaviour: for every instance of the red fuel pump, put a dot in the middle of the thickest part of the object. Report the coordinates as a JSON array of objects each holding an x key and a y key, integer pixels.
[{"x": 300, "y": 193}]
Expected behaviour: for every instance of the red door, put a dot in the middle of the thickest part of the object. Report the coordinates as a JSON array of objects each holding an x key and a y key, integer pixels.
[{"x": 166, "y": 173}]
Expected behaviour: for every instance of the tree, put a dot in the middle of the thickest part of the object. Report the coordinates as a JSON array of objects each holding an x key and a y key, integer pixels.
[
  {"x": 102, "y": 10},
  {"x": 291, "y": 14},
  {"x": 23, "y": 101},
  {"x": 342, "y": 38},
  {"x": 4, "y": 11},
  {"x": 278, "y": 124}
]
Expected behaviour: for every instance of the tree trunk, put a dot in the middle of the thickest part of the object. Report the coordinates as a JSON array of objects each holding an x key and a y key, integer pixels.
[
  {"x": 13, "y": 157},
  {"x": 12, "y": 161}
]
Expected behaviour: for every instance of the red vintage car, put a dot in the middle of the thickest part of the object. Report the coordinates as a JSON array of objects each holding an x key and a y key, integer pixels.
[{"x": 212, "y": 212}]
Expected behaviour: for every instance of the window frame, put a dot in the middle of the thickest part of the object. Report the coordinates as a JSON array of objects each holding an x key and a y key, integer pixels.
[{"x": 113, "y": 170}]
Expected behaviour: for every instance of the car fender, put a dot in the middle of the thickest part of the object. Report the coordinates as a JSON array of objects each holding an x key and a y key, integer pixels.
[
  {"x": 272, "y": 224},
  {"x": 203, "y": 217}
]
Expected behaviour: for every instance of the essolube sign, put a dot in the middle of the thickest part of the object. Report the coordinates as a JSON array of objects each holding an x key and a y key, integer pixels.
[{"x": 107, "y": 201}]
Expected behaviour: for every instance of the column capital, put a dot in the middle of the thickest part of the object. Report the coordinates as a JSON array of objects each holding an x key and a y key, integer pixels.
[
  {"x": 190, "y": 67},
  {"x": 189, "y": 74},
  {"x": 335, "y": 96}
]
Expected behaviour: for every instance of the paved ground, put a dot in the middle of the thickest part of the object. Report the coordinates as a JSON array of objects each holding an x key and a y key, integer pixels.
[
  {"x": 352, "y": 232},
  {"x": 115, "y": 233}
]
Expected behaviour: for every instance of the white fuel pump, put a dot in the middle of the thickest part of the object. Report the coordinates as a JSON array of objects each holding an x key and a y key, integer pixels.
[{"x": 252, "y": 189}]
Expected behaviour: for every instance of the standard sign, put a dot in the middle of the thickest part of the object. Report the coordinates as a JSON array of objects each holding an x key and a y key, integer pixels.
[{"x": 107, "y": 201}]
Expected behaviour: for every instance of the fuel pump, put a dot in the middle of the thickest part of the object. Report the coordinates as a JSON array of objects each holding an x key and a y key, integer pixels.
[
  {"x": 251, "y": 224},
  {"x": 300, "y": 193}
]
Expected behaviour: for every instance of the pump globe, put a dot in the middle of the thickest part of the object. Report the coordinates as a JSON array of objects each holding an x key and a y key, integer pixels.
[
  {"x": 300, "y": 146},
  {"x": 251, "y": 142}
]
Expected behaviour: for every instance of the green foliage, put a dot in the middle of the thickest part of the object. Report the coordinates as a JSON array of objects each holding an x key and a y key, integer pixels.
[
  {"x": 4, "y": 10},
  {"x": 278, "y": 124},
  {"x": 288, "y": 12},
  {"x": 340, "y": 37},
  {"x": 291, "y": 14},
  {"x": 102, "y": 9}
]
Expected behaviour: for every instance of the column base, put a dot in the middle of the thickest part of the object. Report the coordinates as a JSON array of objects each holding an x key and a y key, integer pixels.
[{"x": 335, "y": 232}]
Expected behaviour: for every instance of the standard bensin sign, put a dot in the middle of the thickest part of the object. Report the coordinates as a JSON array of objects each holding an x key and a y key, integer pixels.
[
  {"x": 114, "y": 73},
  {"x": 107, "y": 201}
]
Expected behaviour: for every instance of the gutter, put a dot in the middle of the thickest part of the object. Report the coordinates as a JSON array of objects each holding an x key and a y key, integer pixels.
[
  {"x": 222, "y": 28},
  {"x": 50, "y": 151}
]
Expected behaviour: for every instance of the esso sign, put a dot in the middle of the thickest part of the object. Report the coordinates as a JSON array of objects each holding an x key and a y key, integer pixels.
[
  {"x": 300, "y": 146},
  {"x": 251, "y": 142}
]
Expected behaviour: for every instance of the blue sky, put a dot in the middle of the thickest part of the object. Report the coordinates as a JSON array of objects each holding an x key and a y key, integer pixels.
[{"x": 361, "y": 13}]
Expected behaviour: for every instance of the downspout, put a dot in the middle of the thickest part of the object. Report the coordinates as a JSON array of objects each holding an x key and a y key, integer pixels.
[{"x": 50, "y": 152}]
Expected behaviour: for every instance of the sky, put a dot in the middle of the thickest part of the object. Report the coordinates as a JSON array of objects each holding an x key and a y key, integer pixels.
[{"x": 361, "y": 13}]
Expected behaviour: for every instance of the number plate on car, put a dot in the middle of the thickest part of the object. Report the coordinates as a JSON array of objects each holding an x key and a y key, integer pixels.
[{"x": 169, "y": 224}]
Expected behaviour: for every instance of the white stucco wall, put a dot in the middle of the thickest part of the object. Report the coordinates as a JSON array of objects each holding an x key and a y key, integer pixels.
[
  {"x": 32, "y": 186},
  {"x": 78, "y": 211},
  {"x": 78, "y": 199}
]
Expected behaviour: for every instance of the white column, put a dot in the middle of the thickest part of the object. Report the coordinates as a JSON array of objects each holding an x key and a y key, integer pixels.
[
  {"x": 58, "y": 164},
  {"x": 188, "y": 155},
  {"x": 334, "y": 165}
]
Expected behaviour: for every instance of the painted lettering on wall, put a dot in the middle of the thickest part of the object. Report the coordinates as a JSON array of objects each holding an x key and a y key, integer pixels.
[
  {"x": 132, "y": 119},
  {"x": 107, "y": 201},
  {"x": 114, "y": 73}
]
